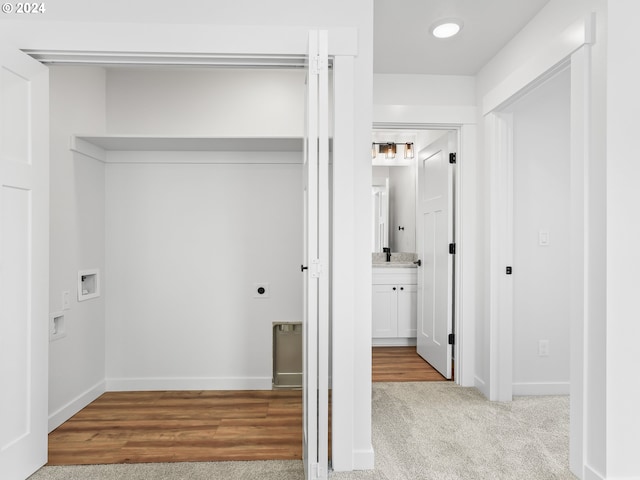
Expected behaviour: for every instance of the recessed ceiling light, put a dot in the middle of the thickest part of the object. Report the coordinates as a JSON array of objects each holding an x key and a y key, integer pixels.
[{"x": 446, "y": 28}]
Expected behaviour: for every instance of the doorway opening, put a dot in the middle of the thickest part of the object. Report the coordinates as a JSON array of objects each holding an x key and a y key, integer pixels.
[{"x": 414, "y": 192}]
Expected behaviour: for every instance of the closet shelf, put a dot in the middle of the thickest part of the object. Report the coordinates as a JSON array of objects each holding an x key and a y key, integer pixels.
[{"x": 97, "y": 146}]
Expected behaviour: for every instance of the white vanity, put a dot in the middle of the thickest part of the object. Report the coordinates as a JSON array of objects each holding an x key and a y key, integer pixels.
[{"x": 394, "y": 298}]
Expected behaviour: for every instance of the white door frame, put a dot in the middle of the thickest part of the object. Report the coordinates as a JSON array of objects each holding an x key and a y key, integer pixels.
[
  {"x": 464, "y": 227},
  {"x": 572, "y": 48},
  {"x": 93, "y": 42}
]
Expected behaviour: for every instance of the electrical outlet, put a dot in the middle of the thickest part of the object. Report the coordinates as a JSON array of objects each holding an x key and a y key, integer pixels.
[
  {"x": 260, "y": 290},
  {"x": 543, "y": 348}
]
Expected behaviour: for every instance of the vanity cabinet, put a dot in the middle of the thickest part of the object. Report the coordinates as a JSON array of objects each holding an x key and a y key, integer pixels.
[{"x": 394, "y": 306}]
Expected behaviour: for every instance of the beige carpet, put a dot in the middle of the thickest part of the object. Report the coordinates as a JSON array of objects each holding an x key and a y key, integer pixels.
[{"x": 421, "y": 431}]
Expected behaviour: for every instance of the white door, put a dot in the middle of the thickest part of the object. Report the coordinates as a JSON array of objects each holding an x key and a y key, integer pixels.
[
  {"x": 315, "y": 268},
  {"x": 434, "y": 234},
  {"x": 24, "y": 263}
]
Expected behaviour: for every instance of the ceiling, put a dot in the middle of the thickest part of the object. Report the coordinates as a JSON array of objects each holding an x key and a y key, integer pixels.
[{"x": 403, "y": 44}]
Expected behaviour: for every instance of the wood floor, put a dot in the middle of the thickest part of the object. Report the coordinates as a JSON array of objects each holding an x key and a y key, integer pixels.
[
  {"x": 196, "y": 426},
  {"x": 189, "y": 426},
  {"x": 401, "y": 364}
]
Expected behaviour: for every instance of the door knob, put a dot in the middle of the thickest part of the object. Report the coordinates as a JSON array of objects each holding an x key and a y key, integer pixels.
[{"x": 303, "y": 268}]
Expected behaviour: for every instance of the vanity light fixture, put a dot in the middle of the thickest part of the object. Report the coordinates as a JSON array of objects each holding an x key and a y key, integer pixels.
[
  {"x": 389, "y": 149},
  {"x": 446, "y": 28},
  {"x": 408, "y": 150}
]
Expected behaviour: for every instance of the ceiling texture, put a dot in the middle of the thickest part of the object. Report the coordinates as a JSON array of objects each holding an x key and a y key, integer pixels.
[{"x": 403, "y": 43}]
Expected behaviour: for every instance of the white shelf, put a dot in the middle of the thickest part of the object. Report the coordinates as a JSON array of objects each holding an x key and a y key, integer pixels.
[{"x": 97, "y": 146}]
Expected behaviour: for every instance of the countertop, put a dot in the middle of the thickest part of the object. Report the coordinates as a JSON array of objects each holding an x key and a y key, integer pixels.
[{"x": 398, "y": 260}]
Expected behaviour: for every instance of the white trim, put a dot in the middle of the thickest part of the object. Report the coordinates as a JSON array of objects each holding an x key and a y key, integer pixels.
[
  {"x": 465, "y": 232},
  {"x": 363, "y": 459},
  {"x": 481, "y": 385},
  {"x": 68, "y": 410},
  {"x": 153, "y": 42},
  {"x": 466, "y": 214},
  {"x": 546, "y": 388},
  {"x": 393, "y": 342},
  {"x": 343, "y": 278},
  {"x": 592, "y": 474},
  {"x": 425, "y": 114},
  {"x": 579, "y": 258},
  {"x": 557, "y": 51},
  {"x": 188, "y": 383},
  {"x": 498, "y": 129}
]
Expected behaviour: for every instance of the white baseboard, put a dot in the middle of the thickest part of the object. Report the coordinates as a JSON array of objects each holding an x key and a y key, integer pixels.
[
  {"x": 549, "y": 388},
  {"x": 63, "y": 414},
  {"x": 393, "y": 342},
  {"x": 481, "y": 385},
  {"x": 591, "y": 474},
  {"x": 363, "y": 459},
  {"x": 214, "y": 383}
]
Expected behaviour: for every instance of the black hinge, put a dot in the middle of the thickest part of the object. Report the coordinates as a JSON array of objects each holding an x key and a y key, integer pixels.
[
  {"x": 509, "y": 270},
  {"x": 452, "y": 158},
  {"x": 452, "y": 248},
  {"x": 452, "y": 339}
]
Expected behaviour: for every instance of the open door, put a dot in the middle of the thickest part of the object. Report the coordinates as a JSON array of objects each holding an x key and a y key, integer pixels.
[
  {"x": 316, "y": 264},
  {"x": 24, "y": 263},
  {"x": 436, "y": 248}
]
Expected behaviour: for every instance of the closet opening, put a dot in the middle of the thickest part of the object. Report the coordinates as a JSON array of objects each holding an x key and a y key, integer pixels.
[{"x": 183, "y": 187}]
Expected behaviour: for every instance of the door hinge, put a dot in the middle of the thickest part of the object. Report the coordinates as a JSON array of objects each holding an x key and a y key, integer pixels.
[
  {"x": 452, "y": 339},
  {"x": 509, "y": 270},
  {"x": 317, "y": 64},
  {"x": 452, "y": 248},
  {"x": 316, "y": 269},
  {"x": 453, "y": 158}
]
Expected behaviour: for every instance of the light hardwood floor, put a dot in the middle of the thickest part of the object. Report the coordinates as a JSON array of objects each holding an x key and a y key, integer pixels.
[
  {"x": 192, "y": 426},
  {"x": 195, "y": 426},
  {"x": 401, "y": 364}
]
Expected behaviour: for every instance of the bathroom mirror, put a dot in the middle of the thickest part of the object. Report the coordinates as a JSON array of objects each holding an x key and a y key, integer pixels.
[
  {"x": 380, "y": 207},
  {"x": 394, "y": 208}
]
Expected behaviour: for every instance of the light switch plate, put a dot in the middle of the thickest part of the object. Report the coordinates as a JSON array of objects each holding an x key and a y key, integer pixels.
[
  {"x": 543, "y": 238},
  {"x": 66, "y": 300}
]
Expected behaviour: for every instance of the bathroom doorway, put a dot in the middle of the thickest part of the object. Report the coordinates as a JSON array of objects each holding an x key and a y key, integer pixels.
[{"x": 403, "y": 307}]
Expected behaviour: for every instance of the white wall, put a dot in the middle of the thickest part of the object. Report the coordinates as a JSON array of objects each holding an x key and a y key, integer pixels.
[
  {"x": 76, "y": 361},
  {"x": 206, "y": 102},
  {"x": 186, "y": 245},
  {"x": 541, "y": 203},
  {"x": 623, "y": 234}
]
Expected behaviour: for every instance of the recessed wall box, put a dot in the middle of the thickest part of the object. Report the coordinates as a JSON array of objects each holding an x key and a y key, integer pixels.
[
  {"x": 88, "y": 284},
  {"x": 56, "y": 326}
]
